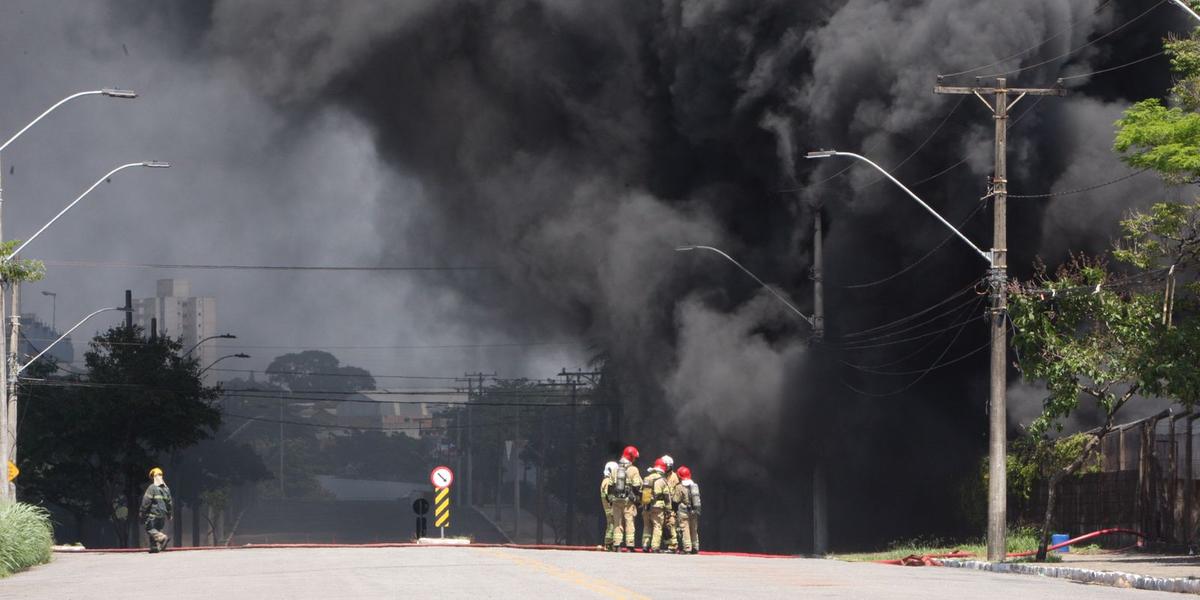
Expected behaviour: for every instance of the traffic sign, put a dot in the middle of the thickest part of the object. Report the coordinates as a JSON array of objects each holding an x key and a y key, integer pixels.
[
  {"x": 441, "y": 513},
  {"x": 13, "y": 471},
  {"x": 420, "y": 506},
  {"x": 441, "y": 477}
]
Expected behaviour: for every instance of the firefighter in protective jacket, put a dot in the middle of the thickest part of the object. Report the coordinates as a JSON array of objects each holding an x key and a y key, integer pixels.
[
  {"x": 626, "y": 488},
  {"x": 606, "y": 500}
]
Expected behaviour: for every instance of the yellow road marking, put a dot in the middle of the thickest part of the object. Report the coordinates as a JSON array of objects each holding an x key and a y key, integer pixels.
[{"x": 602, "y": 587}]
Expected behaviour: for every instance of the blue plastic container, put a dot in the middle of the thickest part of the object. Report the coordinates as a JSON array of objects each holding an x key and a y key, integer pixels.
[{"x": 1058, "y": 538}]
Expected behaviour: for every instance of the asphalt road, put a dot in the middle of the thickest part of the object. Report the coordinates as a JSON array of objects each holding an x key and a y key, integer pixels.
[{"x": 444, "y": 573}]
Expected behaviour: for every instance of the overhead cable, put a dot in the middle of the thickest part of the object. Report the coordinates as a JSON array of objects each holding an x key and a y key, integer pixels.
[
  {"x": 227, "y": 267},
  {"x": 1083, "y": 189},
  {"x": 917, "y": 262},
  {"x": 1069, "y": 28},
  {"x": 1084, "y": 46}
]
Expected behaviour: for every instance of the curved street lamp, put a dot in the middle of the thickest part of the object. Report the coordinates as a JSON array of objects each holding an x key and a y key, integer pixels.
[
  {"x": 110, "y": 92},
  {"x": 62, "y": 337},
  {"x": 806, "y": 318},
  {"x": 830, "y": 153},
  {"x": 213, "y": 363},
  {"x": 1187, "y": 8},
  {"x": 154, "y": 164},
  {"x": 224, "y": 336},
  {"x": 7, "y": 439}
]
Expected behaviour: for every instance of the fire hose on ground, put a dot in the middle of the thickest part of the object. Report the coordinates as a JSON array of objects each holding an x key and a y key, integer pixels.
[{"x": 931, "y": 560}]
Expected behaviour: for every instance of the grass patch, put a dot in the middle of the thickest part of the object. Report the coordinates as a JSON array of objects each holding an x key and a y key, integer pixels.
[
  {"x": 1019, "y": 540},
  {"x": 26, "y": 537}
]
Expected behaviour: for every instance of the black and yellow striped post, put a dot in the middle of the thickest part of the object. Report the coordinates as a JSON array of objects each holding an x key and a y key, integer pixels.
[{"x": 441, "y": 511}]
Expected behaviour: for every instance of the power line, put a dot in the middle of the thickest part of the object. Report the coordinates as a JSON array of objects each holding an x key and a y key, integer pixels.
[
  {"x": 937, "y": 364},
  {"x": 912, "y": 154},
  {"x": 319, "y": 374},
  {"x": 362, "y": 347},
  {"x": 1083, "y": 189},
  {"x": 1086, "y": 45},
  {"x": 1070, "y": 27},
  {"x": 228, "y": 267},
  {"x": 920, "y": 313},
  {"x": 1116, "y": 68},
  {"x": 933, "y": 335},
  {"x": 962, "y": 162},
  {"x": 884, "y": 336},
  {"x": 430, "y": 428},
  {"x": 914, "y": 264}
]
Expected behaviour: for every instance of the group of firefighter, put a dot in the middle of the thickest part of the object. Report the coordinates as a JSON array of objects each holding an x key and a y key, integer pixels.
[{"x": 668, "y": 498}]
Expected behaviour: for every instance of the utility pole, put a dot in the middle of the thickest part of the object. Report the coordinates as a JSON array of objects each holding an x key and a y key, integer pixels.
[
  {"x": 14, "y": 363},
  {"x": 7, "y": 492},
  {"x": 574, "y": 380},
  {"x": 997, "y": 313},
  {"x": 470, "y": 379},
  {"x": 820, "y": 524}
]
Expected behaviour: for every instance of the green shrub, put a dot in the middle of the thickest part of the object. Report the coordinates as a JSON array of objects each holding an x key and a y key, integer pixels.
[{"x": 26, "y": 537}]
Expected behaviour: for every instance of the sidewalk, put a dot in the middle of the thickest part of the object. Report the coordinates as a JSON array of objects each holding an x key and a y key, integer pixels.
[
  {"x": 1150, "y": 565},
  {"x": 1168, "y": 573}
]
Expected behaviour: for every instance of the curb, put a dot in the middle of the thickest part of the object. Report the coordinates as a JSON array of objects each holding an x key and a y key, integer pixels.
[{"x": 1189, "y": 585}]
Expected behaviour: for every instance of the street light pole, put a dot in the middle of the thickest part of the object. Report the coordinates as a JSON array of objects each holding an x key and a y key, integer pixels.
[
  {"x": 213, "y": 363},
  {"x": 807, "y": 319},
  {"x": 17, "y": 370},
  {"x": 10, "y": 391},
  {"x": 7, "y": 430},
  {"x": 998, "y": 376},
  {"x": 223, "y": 336},
  {"x": 53, "y": 310},
  {"x": 1187, "y": 8}
]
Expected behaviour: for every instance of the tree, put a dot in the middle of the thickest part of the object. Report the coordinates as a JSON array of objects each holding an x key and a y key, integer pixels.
[
  {"x": 1166, "y": 137},
  {"x": 141, "y": 401},
  {"x": 315, "y": 371},
  {"x": 1084, "y": 339},
  {"x": 1087, "y": 332}
]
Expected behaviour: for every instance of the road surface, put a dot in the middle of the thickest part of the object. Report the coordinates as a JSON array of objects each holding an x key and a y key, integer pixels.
[{"x": 445, "y": 573}]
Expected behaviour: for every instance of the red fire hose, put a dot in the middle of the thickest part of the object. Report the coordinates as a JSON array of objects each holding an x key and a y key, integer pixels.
[{"x": 918, "y": 560}]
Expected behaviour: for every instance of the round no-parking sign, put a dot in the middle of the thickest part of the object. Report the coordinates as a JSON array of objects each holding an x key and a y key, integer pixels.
[{"x": 441, "y": 477}]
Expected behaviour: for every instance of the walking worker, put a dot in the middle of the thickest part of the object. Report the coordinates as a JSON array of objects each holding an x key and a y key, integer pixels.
[
  {"x": 626, "y": 487},
  {"x": 155, "y": 510},
  {"x": 687, "y": 498},
  {"x": 606, "y": 500}
]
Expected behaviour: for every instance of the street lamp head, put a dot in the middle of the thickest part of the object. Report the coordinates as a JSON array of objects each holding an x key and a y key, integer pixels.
[
  {"x": 156, "y": 164},
  {"x": 820, "y": 154},
  {"x": 116, "y": 93},
  {"x": 45, "y": 293},
  {"x": 227, "y": 336},
  {"x": 684, "y": 248},
  {"x": 241, "y": 355},
  {"x": 122, "y": 309}
]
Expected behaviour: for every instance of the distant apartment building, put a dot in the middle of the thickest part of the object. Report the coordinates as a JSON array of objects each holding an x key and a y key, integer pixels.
[
  {"x": 180, "y": 314},
  {"x": 36, "y": 336}
]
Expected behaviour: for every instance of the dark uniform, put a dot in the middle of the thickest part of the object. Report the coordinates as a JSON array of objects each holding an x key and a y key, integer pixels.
[{"x": 155, "y": 510}]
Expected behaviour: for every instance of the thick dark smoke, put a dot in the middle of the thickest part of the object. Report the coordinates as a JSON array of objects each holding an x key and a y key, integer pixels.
[{"x": 574, "y": 144}]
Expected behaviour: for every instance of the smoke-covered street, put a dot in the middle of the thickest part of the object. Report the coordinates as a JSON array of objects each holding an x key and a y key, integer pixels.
[{"x": 387, "y": 574}]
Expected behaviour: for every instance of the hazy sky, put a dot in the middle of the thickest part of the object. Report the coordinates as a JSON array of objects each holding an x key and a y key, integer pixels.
[{"x": 247, "y": 186}]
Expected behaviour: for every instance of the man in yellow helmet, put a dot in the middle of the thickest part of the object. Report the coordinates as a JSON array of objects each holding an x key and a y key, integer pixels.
[{"x": 156, "y": 509}]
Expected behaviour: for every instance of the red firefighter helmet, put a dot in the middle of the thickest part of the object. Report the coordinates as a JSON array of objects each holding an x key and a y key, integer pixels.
[
  {"x": 660, "y": 466},
  {"x": 630, "y": 453},
  {"x": 683, "y": 472}
]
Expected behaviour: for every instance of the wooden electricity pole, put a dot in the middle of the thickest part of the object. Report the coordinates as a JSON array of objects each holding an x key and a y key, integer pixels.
[{"x": 997, "y": 313}]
